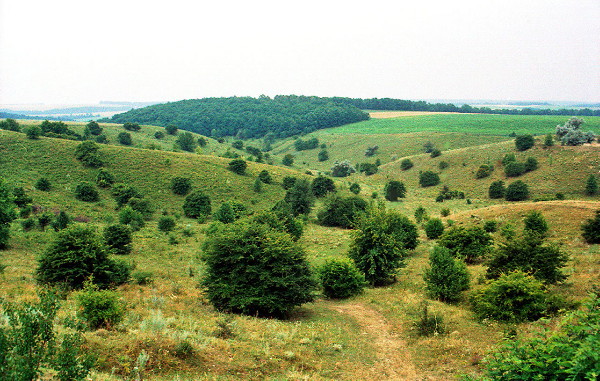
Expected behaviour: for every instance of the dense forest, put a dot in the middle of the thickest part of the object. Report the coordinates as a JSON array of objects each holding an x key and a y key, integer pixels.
[
  {"x": 247, "y": 117},
  {"x": 406, "y": 105}
]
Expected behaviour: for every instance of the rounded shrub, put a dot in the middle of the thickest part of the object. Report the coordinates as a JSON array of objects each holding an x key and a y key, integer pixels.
[
  {"x": 394, "y": 190},
  {"x": 323, "y": 155},
  {"x": 238, "y": 166},
  {"x": 118, "y": 238},
  {"x": 43, "y": 184},
  {"x": 104, "y": 179},
  {"x": 514, "y": 169},
  {"x": 255, "y": 270},
  {"x": 225, "y": 213},
  {"x": 434, "y": 228},
  {"x": 341, "y": 279},
  {"x": 288, "y": 182},
  {"x": 524, "y": 142},
  {"x": 88, "y": 153},
  {"x": 517, "y": 191},
  {"x": 124, "y": 138},
  {"x": 166, "y": 223},
  {"x": 322, "y": 185},
  {"x": 265, "y": 177},
  {"x": 354, "y": 188},
  {"x": 100, "y": 308},
  {"x": 446, "y": 277},
  {"x": 159, "y": 135},
  {"x": 86, "y": 192},
  {"x": 406, "y": 164},
  {"x": 341, "y": 211},
  {"x": 468, "y": 243},
  {"x": 428, "y": 179},
  {"x": 181, "y": 185},
  {"x": 497, "y": 189},
  {"x": 33, "y": 132},
  {"x": 131, "y": 217},
  {"x": 513, "y": 297},
  {"x": 485, "y": 170},
  {"x": 196, "y": 205}
]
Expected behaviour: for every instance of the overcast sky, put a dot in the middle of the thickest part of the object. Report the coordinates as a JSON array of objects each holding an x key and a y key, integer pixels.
[{"x": 76, "y": 51}]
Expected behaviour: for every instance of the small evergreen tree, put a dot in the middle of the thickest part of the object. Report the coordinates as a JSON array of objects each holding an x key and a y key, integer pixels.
[
  {"x": 159, "y": 135},
  {"x": 591, "y": 229},
  {"x": 485, "y": 170},
  {"x": 20, "y": 197},
  {"x": 446, "y": 277},
  {"x": 531, "y": 164},
  {"x": 100, "y": 308},
  {"x": 435, "y": 153},
  {"x": 257, "y": 186},
  {"x": 322, "y": 185},
  {"x": 548, "y": 140},
  {"x": 122, "y": 193},
  {"x": 196, "y": 205},
  {"x": 43, "y": 184},
  {"x": 288, "y": 182},
  {"x": 166, "y": 224},
  {"x": 265, "y": 177},
  {"x": 514, "y": 169},
  {"x": 118, "y": 238},
  {"x": 7, "y": 213},
  {"x": 536, "y": 223},
  {"x": 394, "y": 190},
  {"x": 497, "y": 189},
  {"x": 181, "y": 185},
  {"x": 341, "y": 279},
  {"x": 131, "y": 217},
  {"x": 508, "y": 158},
  {"x": 62, "y": 221},
  {"x": 202, "y": 142},
  {"x": 591, "y": 186},
  {"x": 238, "y": 166},
  {"x": 434, "y": 228},
  {"x": 420, "y": 214}
]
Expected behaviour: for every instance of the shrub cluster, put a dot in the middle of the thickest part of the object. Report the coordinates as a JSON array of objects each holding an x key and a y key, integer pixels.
[
  {"x": 341, "y": 211},
  {"x": 468, "y": 243},
  {"x": 342, "y": 169},
  {"x": 88, "y": 153},
  {"x": 322, "y": 185}
]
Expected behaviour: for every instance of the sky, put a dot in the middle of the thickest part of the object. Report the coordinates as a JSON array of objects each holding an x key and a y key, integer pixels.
[{"x": 78, "y": 52}]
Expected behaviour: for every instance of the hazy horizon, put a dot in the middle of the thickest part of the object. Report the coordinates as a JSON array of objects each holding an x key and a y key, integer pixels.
[{"x": 72, "y": 52}]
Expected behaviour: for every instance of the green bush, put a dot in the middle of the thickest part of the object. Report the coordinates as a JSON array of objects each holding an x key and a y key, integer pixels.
[
  {"x": 100, "y": 308},
  {"x": 300, "y": 197},
  {"x": 20, "y": 197},
  {"x": 323, "y": 155},
  {"x": 124, "y": 138},
  {"x": 142, "y": 278},
  {"x": 524, "y": 142},
  {"x": 122, "y": 193},
  {"x": 485, "y": 170},
  {"x": 159, "y": 135},
  {"x": 10, "y": 124},
  {"x": 341, "y": 211},
  {"x": 566, "y": 352},
  {"x": 143, "y": 206},
  {"x": 131, "y": 217},
  {"x": 497, "y": 189},
  {"x": 33, "y": 132},
  {"x": 548, "y": 140},
  {"x": 171, "y": 129},
  {"x": 225, "y": 213},
  {"x": 490, "y": 226},
  {"x": 591, "y": 229},
  {"x": 443, "y": 165},
  {"x": 379, "y": 244},
  {"x": 255, "y": 270},
  {"x": 265, "y": 177},
  {"x": 118, "y": 238},
  {"x": 288, "y": 182},
  {"x": 536, "y": 223},
  {"x": 340, "y": 279},
  {"x": 435, "y": 153},
  {"x": 43, "y": 184},
  {"x": 322, "y": 185},
  {"x": 181, "y": 185},
  {"x": 514, "y": 169},
  {"x": 86, "y": 192},
  {"x": 429, "y": 324},
  {"x": 434, "y": 228},
  {"x": 508, "y": 158},
  {"x": 468, "y": 243},
  {"x": 531, "y": 164},
  {"x": 394, "y": 190},
  {"x": 281, "y": 220},
  {"x": 238, "y": 166},
  {"x": 28, "y": 224},
  {"x": 513, "y": 297},
  {"x": 591, "y": 186},
  {"x": 354, "y": 188},
  {"x": 104, "y": 179},
  {"x": 444, "y": 212},
  {"x": 421, "y": 214},
  {"x": 131, "y": 126},
  {"x": 196, "y": 205},
  {"x": 166, "y": 224},
  {"x": 406, "y": 164},
  {"x": 446, "y": 277},
  {"x": 62, "y": 221},
  {"x": 44, "y": 219},
  {"x": 529, "y": 255},
  {"x": 517, "y": 191},
  {"x": 428, "y": 179},
  {"x": 76, "y": 254},
  {"x": 342, "y": 169},
  {"x": 89, "y": 155},
  {"x": 288, "y": 160}
]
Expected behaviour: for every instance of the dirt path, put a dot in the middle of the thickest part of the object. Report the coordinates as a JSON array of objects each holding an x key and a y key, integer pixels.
[{"x": 394, "y": 361}]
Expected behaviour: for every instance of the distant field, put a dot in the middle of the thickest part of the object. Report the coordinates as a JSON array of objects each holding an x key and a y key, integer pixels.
[
  {"x": 479, "y": 124},
  {"x": 396, "y": 114}
]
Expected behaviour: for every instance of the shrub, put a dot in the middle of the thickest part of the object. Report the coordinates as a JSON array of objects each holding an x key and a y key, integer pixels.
[
  {"x": 354, "y": 188},
  {"x": 428, "y": 147},
  {"x": 122, "y": 193},
  {"x": 102, "y": 139},
  {"x": 255, "y": 270},
  {"x": 529, "y": 255},
  {"x": 238, "y": 166},
  {"x": 394, "y": 190},
  {"x": 443, "y": 165},
  {"x": 367, "y": 168},
  {"x": 288, "y": 182},
  {"x": 225, "y": 213},
  {"x": 435, "y": 153},
  {"x": 300, "y": 197},
  {"x": 257, "y": 186},
  {"x": 166, "y": 224},
  {"x": 186, "y": 141},
  {"x": 20, "y": 198},
  {"x": 196, "y": 205},
  {"x": 468, "y": 243},
  {"x": 44, "y": 219},
  {"x": 142, "y": 278},
  {"x": 591, "y": 186},
  {"x": 517, "y": 191},
  {"x": 379, "y": 244},
  {"x": 406, "y": 164},
  {"x": 342, "y": 169},
  {"x": 497, "y": 189},
  {"x": 288, "y": 160},
  {"x": 159, "y": 135},
  {"x": 238, "y": 144},
  {"x": 341, "y": 279},
  {"x": 131, "y": 126},
  {"x": 75, "y": 255},
  {"x": 131, "y": 217},
  {"x": 43, "y": 184},
  {"x": 420, "y": 214},
  {"x": 281, "y": 219},
  {"x": 202, "y": 142},
  {"x": 323, "y": 155},
  {"x": 181, "y": 185},
  {"x": 428, "y": 179},
  {"x": 548, "y": 140},
  {"x": 301, "y": 145},
  {"x": 434, "y": 228},
  {"x": 171, "y": 129},
  {"x": 100, "y": 308},
  {"x": 490, "y": 226},
  {"x": 577, "y": 138},
  {"x": 568, "y": 351},
  {"x": 88, "y": 153},
  {"x": 10, "y": 124},
  {"x": 104, "y": 179},
  {"x": 125, "y": 138},
  {"x": 265, "y": 177},
  {"x": 524, "y": 142},
  {"x": 514, "y": 297},
  {"x": 322, "y": 185},
  {"x": 514, "y": 169},
  {"x": 117, "y": 238},
  {"x": 509, "y": 158},
  {"x": 536, "y": 223},
  {"x": 86, "y": 192},
  {"x": 446, "y": 277},
  {"x": 341, "y": 211},
  {"x": 445, "y": 212},
  {"x": 485, "y": 170},
  {"x": 143, "y": 206},
  {"x": 28, "y": 224},
  {"x": 531, "y": 164},
  {"x": 591, "y": 229},
  {"x": 429, "y": 324},
  {"x": 61, "y": 222},
  {"x": 371, "y": 151},
  {"x": 33, "y": 132}
]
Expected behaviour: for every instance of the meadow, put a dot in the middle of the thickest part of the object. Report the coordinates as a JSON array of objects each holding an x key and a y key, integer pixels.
[{"x": 371, "y": 336}]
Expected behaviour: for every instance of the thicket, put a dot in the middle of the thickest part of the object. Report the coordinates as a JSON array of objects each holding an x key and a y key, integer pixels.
[
  {"x": 131, "y": 126},
  {"x": 7, "y": 213},
  {"x": 535, "y": 223},
  {"x": 341, "y": 211},
  {"x": 238, "y": 166},
  {"x": 33, "y": 132},
  {"x": 265, "y": 177},
  {"x": 247, "y": 117},
  {"x": 447, "y": 194},
  {"x": 122, "y": 193},
  {"x": 469, "y": 243},
  {"x": 446, "y": 276},
  {"x": 340, "y": 278},
  {"x": 255, "y": 270},
  {"x": 131, "y": 217},
  {"x": 367, "y": 168},
  {"x": 93, "y": 128},
  {"x": 323, "y": 155},
  {"x": 77, "y": 254},
  {"x": 288, "y": 160},
  {"x": 380, "y": 243},
  {"x": 302, "y": 145},
  {"x": 354, "y": 188},
  {"x": 10, "y": 124}
]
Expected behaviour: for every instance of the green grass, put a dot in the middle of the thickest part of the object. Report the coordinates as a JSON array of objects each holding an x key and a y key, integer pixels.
[{"x": 477, "y": 124}]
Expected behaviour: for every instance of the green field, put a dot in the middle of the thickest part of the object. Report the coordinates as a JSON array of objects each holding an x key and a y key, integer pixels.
[{"x": 477, "y": 124}]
